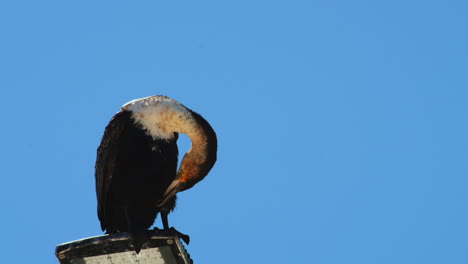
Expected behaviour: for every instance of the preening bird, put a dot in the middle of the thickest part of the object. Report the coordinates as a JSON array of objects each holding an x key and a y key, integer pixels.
[{"x": 136, "y": 166}]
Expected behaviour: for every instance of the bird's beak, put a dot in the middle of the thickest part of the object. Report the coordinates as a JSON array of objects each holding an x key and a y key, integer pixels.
[{"x": 175, "y": 186}]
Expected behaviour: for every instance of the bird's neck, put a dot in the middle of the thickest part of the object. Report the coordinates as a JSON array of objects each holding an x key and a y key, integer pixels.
[{"x": 201, "y": 156}]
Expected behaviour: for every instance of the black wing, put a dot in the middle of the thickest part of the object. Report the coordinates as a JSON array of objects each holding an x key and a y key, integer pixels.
[{"x": 107, "y": 153}]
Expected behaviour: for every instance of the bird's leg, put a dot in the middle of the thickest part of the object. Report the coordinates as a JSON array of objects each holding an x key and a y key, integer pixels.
[
  {"x": 172, "y": 230},
  {"x": 164, "y": 219}
]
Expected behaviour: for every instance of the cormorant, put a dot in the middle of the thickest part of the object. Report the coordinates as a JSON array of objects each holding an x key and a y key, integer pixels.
[{"x": 136, "y": 166}]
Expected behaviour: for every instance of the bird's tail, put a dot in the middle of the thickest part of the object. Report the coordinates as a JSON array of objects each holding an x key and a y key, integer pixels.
[{"x": 139, "y": 238}]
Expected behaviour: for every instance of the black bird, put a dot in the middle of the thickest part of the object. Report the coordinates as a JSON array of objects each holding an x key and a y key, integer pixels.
[{"x": 136, "y": 166}]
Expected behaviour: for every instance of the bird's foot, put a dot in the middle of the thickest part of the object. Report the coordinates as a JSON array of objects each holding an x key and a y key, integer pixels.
[
  {"x": 182, "y": 236},
  {"x": 172, "y": 231}
]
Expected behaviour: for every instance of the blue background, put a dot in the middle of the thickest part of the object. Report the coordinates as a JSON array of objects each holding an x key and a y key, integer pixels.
[{"x": 341, "y": 124}]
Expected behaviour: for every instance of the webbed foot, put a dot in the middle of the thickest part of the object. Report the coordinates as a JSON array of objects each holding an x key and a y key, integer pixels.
[{"x": 184, "y": 237}]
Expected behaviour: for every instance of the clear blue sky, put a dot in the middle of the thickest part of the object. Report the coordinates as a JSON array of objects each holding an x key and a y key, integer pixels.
[{"x": 342, "y": 125}]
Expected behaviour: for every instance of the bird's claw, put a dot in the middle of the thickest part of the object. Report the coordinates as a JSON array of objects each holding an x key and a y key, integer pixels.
[
  {"x": 182, "y": 236},
  {"x": 173, "y": 231}
]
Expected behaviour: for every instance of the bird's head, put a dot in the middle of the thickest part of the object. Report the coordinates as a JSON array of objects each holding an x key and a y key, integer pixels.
[{"x": 198, "y": 160}]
